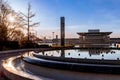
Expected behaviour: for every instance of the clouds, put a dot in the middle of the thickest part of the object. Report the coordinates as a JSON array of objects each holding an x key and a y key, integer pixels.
[{"x": 80, "y": 15}]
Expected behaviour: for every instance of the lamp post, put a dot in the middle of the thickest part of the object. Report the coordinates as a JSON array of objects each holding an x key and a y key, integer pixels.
[{"x": 53, "y": 34}]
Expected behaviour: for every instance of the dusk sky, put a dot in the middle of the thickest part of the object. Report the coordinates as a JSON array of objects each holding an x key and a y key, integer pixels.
[{"x": 80, "y": 15}]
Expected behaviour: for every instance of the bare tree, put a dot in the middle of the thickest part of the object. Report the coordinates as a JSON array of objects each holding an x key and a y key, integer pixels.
[
  {"x": 17, "y": 35},
  {"x": 28, "y": 20},
  {"x": 5, "y": 24},
  {"x": 17, "y": 25},
  {"x": 4, "y": 11}
]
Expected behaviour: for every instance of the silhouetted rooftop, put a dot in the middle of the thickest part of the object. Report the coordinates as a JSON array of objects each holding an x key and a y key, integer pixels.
[{"x": 94, "y": 33}]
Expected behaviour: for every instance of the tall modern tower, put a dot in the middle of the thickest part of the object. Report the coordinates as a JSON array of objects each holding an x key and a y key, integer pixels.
[{"x": 62, "y": 26}]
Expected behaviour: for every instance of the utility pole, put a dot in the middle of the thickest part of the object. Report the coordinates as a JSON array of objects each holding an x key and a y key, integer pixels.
[{"x": 53, "y": 34}]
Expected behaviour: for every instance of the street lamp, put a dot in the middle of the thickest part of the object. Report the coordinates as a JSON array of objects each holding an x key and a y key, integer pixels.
[{"x": 53, "y": 34}]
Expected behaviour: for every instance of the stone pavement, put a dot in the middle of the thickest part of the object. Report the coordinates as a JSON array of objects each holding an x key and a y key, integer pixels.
[{"x": 2, "y": 57}]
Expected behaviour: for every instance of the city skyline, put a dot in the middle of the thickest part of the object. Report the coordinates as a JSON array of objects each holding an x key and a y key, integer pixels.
[{"x": 80, "y": 15}]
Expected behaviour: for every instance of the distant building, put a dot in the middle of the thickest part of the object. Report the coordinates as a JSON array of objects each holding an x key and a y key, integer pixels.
[
  {"x": 115, "y": 40},
  {"x": 68, "y": 41},
  {"x": 94, "y": 38}
]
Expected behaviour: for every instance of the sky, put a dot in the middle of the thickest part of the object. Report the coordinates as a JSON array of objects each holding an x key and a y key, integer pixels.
[{"x": 80, "y": 15}]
